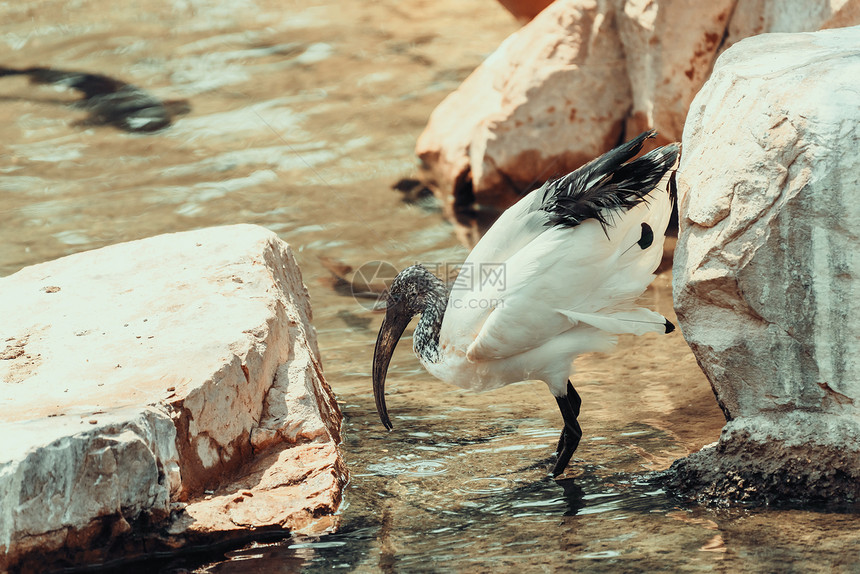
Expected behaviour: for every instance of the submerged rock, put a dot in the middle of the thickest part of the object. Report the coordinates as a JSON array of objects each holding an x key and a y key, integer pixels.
[
  {"x": 161, "y": 393},
  {"x": 578, "y": 79},
  {"x": 766, "y": 274}
]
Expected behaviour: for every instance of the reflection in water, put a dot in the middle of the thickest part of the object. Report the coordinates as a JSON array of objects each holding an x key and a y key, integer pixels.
[{"x": 304, "y": 116}]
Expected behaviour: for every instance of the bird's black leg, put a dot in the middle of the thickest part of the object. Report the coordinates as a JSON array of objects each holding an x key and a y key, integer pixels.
[
  {"x": 574, "y": 399},
  {"x": 569, "y": 406},
  {"x": 576, "y": 403}
]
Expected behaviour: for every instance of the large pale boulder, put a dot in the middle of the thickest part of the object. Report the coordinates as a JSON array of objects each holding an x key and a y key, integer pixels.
[
  {"x": 551, "y": 97},
  {"x": 137, "y": 377},
  {"x": 767, "y": 275},
  {"x": 670, "y": 47},
  {"x": 578, "y": 78}
]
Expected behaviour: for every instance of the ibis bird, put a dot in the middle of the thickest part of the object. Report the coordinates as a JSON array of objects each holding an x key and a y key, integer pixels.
[{"x": 575, "y": 254}]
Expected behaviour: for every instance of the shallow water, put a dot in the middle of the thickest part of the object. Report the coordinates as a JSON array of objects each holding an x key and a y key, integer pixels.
[{"x": 303, "y": 115}]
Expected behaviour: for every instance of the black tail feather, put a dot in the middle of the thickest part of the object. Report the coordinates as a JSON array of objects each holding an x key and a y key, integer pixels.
[{"x": 608, "y": 184}]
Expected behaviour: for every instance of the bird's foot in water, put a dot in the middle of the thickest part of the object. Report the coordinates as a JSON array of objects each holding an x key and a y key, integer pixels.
[
  {"x": 569, "y": 442},
  {"x": 561, "y": 471},
  {"x": 574, "y": 469}
]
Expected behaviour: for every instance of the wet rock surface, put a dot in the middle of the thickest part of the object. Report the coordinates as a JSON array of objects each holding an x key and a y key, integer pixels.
[
  {"x": 159, "y": 393},
  {"x": 764, "y": 273}
]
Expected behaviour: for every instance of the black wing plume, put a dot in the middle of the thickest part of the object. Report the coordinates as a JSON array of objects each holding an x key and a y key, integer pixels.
[{"x": 608, "y": 184}]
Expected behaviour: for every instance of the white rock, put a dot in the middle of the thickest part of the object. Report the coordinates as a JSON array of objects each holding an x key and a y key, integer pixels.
[
  {"x": 551, "y": 97},
  {"x": 766, "y": 274},
  {"x": 143, "y": 373},
  {"x": 670, "y": 48}
]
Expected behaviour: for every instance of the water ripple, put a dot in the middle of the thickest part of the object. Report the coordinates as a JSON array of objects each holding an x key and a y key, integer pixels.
[
  {"x": 413, "y": 468},
  {"x": 490, "y": 485}
]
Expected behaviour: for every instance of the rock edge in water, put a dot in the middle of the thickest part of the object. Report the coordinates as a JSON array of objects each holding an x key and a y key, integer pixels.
[{"x": 750, "y": 465}]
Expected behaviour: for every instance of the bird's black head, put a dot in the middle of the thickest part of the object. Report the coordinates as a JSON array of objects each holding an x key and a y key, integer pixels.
[
  {"x": 408, "y": 296},
  {"x": 409, "y": 291}
]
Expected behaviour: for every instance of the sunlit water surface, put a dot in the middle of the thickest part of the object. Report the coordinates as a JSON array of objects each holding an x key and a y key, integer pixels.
[{"x": 303, "y": 115}]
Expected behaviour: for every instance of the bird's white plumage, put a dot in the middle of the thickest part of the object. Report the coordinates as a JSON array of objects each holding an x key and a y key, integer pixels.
[{"x": 566, "y": 291}]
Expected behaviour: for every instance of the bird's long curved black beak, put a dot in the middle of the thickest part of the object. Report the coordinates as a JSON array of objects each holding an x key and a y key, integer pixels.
[{"x": 395, "y": 322}]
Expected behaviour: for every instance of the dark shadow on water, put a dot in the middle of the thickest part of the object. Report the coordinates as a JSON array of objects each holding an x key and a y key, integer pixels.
[
  {"x": 109, "y": 101},
  {"x": 354, "y": 321},
  {"x": 193, "y": 557},
  {"x": 573, "y": 495}
]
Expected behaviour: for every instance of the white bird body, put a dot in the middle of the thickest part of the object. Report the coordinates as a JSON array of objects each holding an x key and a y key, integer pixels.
[
  {"x": 566, "y": 291},
  {"x": 556, "y": 276},
  {"x": 549, "y": 362}
]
